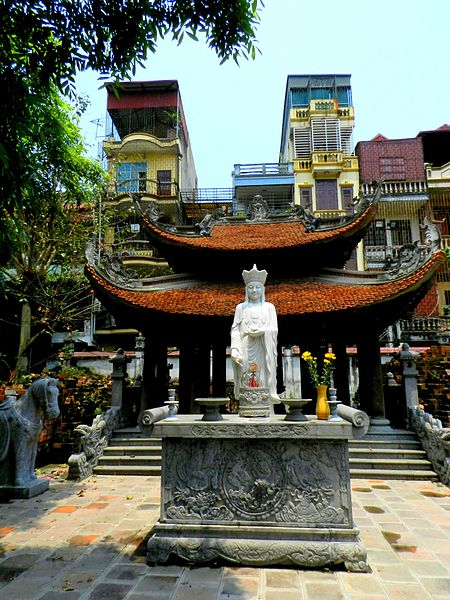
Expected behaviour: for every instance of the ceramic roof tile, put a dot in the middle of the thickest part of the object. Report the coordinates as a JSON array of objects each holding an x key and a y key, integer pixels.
[
  {"x": 257, "y": 236},
  {"x": 290, "y": 297}
]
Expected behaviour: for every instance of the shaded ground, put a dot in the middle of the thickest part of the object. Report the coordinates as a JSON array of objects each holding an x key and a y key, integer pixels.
[{"x": 86, "y": 541}]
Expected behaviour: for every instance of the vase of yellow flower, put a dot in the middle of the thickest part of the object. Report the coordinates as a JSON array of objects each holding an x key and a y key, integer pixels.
[{"x": 321, "y": 381}]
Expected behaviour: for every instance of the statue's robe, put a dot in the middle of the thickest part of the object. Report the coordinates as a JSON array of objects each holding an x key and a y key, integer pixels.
[{"x": 261, "y": 349}]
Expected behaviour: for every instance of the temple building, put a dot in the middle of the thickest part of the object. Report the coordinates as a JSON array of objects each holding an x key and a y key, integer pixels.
[{"x": 302, "y": 220}]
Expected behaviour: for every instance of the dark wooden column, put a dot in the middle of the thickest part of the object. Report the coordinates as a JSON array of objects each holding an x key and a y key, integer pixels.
[
  {"x": 371, "y": 394},
  {"x": 194, "y": 376},
  {"x": 154, "y": 380},
  {"x": 219, "y": 369},
  {"x": 340, "y": 374}
]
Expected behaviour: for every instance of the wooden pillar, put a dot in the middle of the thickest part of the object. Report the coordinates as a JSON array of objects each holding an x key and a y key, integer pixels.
[
  {"x": 219, "y": 369},
  {"x": 194, "y": 376},
  {"x": 371, "y": 394},
  {"x": 154, "y": 380}
]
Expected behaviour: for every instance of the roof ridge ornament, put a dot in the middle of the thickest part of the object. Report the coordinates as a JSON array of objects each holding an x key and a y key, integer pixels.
[{"x": 258, "y": 209}]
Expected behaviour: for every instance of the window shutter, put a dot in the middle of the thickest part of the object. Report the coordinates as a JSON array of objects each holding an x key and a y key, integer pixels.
[
  {"x": 326, "y": 134},
  {"x": 302, "y": 142}
]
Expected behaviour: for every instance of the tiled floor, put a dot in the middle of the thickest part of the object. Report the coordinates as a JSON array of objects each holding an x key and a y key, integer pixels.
[{"x": 85, "y": 541}]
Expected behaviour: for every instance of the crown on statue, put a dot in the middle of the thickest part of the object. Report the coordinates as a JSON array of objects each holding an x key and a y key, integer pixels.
[{"x": 254, "y": 275}]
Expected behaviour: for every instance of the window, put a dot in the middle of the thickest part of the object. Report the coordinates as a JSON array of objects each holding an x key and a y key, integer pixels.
[
  {"x": 302, "y": 142},
  {"x": 326, "y": 194},
  {"x": 131, "y": 176},
  {"x": 164, "y": 183},
  {"x": 376, "y": 234},
  {"x": 392, "y": 168},
  {"x": 401, "y": 232},
  {"x": 306, "y": 197},
  {"x": 326, "y": 134},
  {"x": 347, "y": 198}
]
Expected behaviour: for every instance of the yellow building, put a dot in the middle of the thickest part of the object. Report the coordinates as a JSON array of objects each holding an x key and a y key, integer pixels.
[
  {"x": 147, "y": 143},
  {"x": 317, "y": 132}
]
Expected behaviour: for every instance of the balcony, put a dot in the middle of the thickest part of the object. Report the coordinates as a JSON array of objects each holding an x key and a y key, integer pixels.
[
  {"x": 415, "y": 190},
  {"x": 438, "y": 178},
  {"x": 327, "y": 163},
  {"x": 263, "y": 174},
  {"x": 141, "y": 143},
  {"x": 320, "y": 107},
  {"x": 424, "y": 330},
  {"x": 160, "y": 190}
]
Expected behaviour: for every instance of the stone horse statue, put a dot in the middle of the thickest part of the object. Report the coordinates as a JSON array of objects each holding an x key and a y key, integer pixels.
[{"x": 20, "y": 427}]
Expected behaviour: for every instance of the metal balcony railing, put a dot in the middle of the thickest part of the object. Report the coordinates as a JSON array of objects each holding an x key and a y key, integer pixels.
[
  {"x": 156, "y": 189},
  {"x": 264, "y": 169}
]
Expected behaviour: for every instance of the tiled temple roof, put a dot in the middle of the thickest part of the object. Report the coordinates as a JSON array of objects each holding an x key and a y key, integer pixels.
[
  {"x": 257, "y": 236},
  {"x": 291, "y": 297},
  {"x": 279, "y": 245}
]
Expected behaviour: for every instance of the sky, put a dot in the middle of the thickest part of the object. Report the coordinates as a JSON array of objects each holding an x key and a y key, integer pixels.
[{"x": 396, "y": 52}]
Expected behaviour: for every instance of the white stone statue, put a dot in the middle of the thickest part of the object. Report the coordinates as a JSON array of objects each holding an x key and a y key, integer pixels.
[{"x": 254, "y": 338}]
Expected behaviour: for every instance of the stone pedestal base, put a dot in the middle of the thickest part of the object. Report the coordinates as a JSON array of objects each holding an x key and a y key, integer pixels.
[
  {"x": 34, "y": 488},
  {"x": 257, "y": 546},
  {"x": 256, "y": 492}
]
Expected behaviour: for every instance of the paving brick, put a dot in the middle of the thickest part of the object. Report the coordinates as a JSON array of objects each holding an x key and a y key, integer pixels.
[{"x": 109, "y": 591}]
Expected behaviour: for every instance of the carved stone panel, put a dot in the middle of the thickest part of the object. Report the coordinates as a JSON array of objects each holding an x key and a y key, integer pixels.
[{"x": 288, "y": 482}]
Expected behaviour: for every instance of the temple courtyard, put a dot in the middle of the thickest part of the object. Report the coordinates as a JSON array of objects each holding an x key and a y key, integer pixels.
[{"x": 87, "y": 541}]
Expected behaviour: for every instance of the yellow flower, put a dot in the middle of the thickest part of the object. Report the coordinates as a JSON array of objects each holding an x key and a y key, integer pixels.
[
  {"x": 330, "y": 356},
  {"x": 307, "y": 356},
  {"x": 326, "y": 361}
]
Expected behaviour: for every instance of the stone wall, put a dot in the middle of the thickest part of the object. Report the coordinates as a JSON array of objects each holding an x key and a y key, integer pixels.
[{"x": 433, "y": 382}]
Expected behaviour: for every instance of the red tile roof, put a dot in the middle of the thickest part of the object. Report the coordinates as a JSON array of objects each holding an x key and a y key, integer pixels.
[
  {"x": 290, "y": 297},
  {"x": 257, "y": 236}
]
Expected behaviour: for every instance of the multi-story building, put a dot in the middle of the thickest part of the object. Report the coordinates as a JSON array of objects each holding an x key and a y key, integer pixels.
[
  {"x": 399, "y": 164},
  {"x": 436, "y": 151},
  {"x": 318, "y": 122},
  {"x": 147, "y": 145}
]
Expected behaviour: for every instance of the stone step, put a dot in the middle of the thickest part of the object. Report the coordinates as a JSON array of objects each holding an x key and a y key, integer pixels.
[
  {"x": 386, "y": 464},
  {"x": 141, "y": 441},
  {"x": 128, "y": 432},
  {"x": 387, "y": 474},
  {"x": 143, "y": 460},
  {"x": 142, "y": 470},
  {"x": 412, "y": 444},
  {"x": 133, "y": 451},
  {"x": 400, "y": 435},
  {"x": 394, "y": 453}
]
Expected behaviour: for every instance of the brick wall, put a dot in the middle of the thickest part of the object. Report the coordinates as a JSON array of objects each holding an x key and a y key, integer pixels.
[
  {"x": 434, "y": 372},
  {"x": 429, "y": 305},
  {"x": 371, "y": 152}
]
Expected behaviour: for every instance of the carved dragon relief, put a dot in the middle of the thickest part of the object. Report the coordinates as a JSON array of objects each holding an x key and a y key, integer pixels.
[
  {"x": 284, "y": 483},
  {"x": 411, "y": 256}
]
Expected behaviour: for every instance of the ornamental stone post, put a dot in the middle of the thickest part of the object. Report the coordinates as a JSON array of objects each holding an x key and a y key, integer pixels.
[
  {"x": 410, "y": 373},
  {"x": 139, "y": 347},
  {"x": 119, "y": 374}
]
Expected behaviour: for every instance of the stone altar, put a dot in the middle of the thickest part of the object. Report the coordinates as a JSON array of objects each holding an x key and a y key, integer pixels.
[{"x": 256, "y": 492}]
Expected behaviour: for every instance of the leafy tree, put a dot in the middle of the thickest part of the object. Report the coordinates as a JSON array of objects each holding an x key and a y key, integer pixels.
[
  {"x": 46, "y": 42},
  {"x": 48, "y": 232}
]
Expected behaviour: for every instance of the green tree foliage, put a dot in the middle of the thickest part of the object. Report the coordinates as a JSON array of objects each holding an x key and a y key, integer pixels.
[
  {"x": 46, "y": 42},
  {"x": 48, "y": 231}
]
